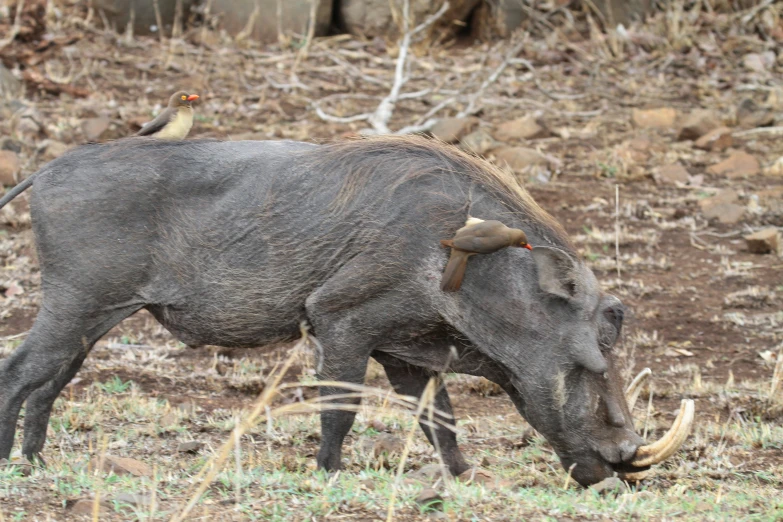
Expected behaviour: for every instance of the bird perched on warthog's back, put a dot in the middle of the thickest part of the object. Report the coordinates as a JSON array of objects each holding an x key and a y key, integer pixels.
[
  {"x": 477, "y": 237},
  {"x": 175, "y": 121}
]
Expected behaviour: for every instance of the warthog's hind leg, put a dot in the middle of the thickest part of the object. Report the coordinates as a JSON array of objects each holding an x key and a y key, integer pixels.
[{"x": 41, "y": 367}]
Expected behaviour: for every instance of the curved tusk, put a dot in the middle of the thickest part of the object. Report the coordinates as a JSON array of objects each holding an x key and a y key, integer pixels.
[
  {"x": 635, "y": 476},
  {"x": 664, "y": 448},
  {"x": 635, "y": 388}
]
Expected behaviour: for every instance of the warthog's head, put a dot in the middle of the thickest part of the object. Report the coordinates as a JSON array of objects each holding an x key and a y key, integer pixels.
[{"x": 542, "y": 318}]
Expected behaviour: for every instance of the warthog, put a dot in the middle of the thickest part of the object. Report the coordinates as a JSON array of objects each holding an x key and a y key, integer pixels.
[{"x": 236, "y": 243}]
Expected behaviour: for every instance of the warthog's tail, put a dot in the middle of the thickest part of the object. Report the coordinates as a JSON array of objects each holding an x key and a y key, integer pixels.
[{"x": 11, "y": 194}]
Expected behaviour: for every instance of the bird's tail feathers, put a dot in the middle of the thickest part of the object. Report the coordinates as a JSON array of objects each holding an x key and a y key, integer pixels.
[{"x": 454, "y": 272}]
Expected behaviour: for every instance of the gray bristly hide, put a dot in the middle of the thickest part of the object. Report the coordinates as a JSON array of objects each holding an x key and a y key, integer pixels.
[{"x": 236, "y": 243}]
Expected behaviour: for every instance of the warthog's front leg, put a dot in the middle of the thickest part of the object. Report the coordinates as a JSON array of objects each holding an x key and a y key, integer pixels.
[{"x": 412, "y": 380}]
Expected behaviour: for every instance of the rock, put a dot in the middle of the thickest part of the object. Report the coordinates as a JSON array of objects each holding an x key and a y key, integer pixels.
[
  {"x": 771, "y": 196},
  {"x": 451, "y": 130},
  {"x": 84, "y": 506},
  {"x": 611, "y": 485},
  {"x": 28, "y": 126},
  {"x": 519, "y": 158},
  {"x": 295, "y": 17},
  {"x": 723, "y": 196},
  {"x": 192, "y": 446},
  {"x": 623, "y": 11},
  {"x": 378, "y": 425},
  {"x": 764, "y": 241},
  {"x": 429, "y": 499},
  {"x": 371, "y": 18},
  {"x": 427, "y": 472},
  {"x": 479, "y": 142},
  {"x": 123, "y": 466},
  {"x": 9, "y": 167},
  {"x": 134, "y": 499},
  {"x": 776, "y": 169},
  {"x": 526, "y": 128},
  {"x": 756, "y": 62},
  {"x": 662, "y": 118},
  {"x": 672, "y": 174},
  {"x": 94, "y": 128},
  {"x": 10, "y": 86},
  {"x": 387, "y": 444},
  {"x": 11, "y": 144},
  {"x": 716, "y": 140},
  {"x": 739, "y": 165},
  {"x": 52, "y": 149},
  {"x": 750, "y": 115},
  {"x": 477, "y": 476},
  {"x": 726, "y": 213},
  {"x": 168, "y": 420},
  {"x": 698, "y": 123},
  {"x": 119, "y": 12},
  {"x": 496, "y": 19}
]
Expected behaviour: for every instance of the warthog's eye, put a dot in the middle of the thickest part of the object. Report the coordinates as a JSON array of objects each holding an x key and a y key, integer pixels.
[{"x": 615, "y": 316}]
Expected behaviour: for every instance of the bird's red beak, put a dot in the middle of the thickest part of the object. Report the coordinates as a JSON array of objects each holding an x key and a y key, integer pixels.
[
  {"x": 528, "y": 246},
  {"x": 193, "y": 97}
]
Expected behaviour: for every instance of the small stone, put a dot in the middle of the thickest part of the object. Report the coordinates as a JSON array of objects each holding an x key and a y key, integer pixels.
[
  {"x": 697, "y": 124},
  {"x": 27, "y": 126},
  {"x": 168, "y": 420},
  {"x": 378, "y": 425},
  {"x": 479, "y": 142},
  {"x": 526, "y": 128},
  {"x": 429, "y": 499},
  {"x": 771, "y": 196},
  {"x": 9, "y": 167},
  {"x": 726, "y": 213},
  {"x": 750, "y": 115},
  {"x": 84, "y": 506},
  {"x": 387, "y": 444},
  {"x": 519, "y": 158},
  {"x": 662, "y": 118},
  {"x": 754, "y": 62},
  {"x": 723, "y": 196},
  {"x": 477, "y": 476},
  {"x": 776, "y": 169},
  {"x": 11, "y": 144},
  {"x": 53, "y": 149},
  {"x": 427, "y": 472},
  {"x": 611, "y": 485},
  {"x": 94, "y": 128},
  {"x": 764, "y": 241},
  {"x": 738, "y": 165},
  {"x": 192, "y": 446},
  {"x": 672, "y": 174},
  {"x": 123, "y": 466},
  {"x": 134, "y": 499},
  {"x": 715, "y": 140},
  {"x": 452, "y": 130}
]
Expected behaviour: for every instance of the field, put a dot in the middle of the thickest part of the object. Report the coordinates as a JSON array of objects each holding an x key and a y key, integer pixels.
[{"x": 706, "y": 313}]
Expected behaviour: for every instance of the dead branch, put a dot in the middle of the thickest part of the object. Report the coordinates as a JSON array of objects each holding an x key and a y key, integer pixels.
[
  {"x": 15, "y": 26},
  {"x": 471, "y": 108},
  {"x": 548, "y": 94},
  {"x": 379, "y": 119}
]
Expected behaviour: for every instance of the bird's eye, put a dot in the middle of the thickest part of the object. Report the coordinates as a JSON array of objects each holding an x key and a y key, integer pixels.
[{"x": 184, "y": 97}]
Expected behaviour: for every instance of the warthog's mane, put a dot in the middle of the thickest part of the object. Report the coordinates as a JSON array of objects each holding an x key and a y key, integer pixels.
[{"x": 405, "y": 158}]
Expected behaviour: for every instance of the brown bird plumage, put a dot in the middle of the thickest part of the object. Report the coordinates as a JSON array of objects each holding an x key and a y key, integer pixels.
[
  {"x": 175, "y": 122},
  {"x": 477, "y": 237}
]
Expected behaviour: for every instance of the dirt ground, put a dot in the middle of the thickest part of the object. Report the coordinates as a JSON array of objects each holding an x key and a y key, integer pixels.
[{"x": 705, "y": 313}]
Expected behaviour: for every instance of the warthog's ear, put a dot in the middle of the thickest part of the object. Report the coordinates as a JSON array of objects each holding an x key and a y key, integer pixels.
[{"x": 556, "y": 271}]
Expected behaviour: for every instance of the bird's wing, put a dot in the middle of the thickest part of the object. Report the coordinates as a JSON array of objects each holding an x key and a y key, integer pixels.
[
  {"x": 157, "y": 124},
  {"x": 481, "y": 244}
]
